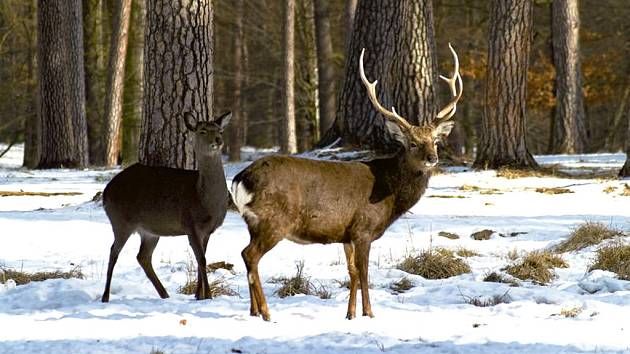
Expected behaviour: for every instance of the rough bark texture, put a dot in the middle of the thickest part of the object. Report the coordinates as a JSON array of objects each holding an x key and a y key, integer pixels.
[
  {"x": 569, "y": 133},
  {"x": 115, "y": 82},
  {"x": 61, "y": 84},
  {"x": 178, "y": 79},
  {"x": 236, "y": 123},
  {"x": 625, "y": 170},
  {"x": 132, "y": 107},
  {"x": 32, "y": 130},
  {"x": 502, "y": 140},
  {"x": 350, "y": 11},
  {"x": 399, "y": 42},
  {"x": 289, "y": 141},
  {"x": 325, "y": 67}
]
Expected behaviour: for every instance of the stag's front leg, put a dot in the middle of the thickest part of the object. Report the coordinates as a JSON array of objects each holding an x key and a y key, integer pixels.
[
  {"x": 354, "y": 280},
  {"x": 362, "y": 257}
]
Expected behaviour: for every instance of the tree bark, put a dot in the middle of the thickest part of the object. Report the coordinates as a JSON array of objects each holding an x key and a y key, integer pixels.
[
  {"x": 325, "y": 67},
  {"x": 32, "y": 126},
  {"x": 569, "y": 133},
  {"x": 399, "y": 40},
  {"x": 289, "y": 141},
  {"x": 625, "y": 170},
  {"x": 178, "y": 79},
  {"x": 61, "y": 84},
  {"x": 236, "y": 123},
  {"x": 115, "y": 82},
  {"x": 350, "y": 11},
  {"x": 502, "y": 140},
  {"x": 132, "y": 107}
]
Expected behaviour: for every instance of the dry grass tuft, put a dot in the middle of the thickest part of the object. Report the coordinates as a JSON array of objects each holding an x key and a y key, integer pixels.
[
  {"x": 553, "y": 171},
  {"x": 614, "y": 258},
  {"x": 495, "y": 277},
  {"x": 571, "y": 312},
  {"x": 22, "y": 278},
  {"x": 481, "y": 301},
  {"x": 553, "y": 190},
  {"x": 300, "y": 284},
  {"x": 444, "y": 196},
  {"x": 609, "y": 189},
  {"x": 588, "y": 234},
  {"x": 218, "y": 287},
  {"x": 438, "y": 263},
  {"x": 485, "y": 191},
  {"x": 212, "y": 267},
  {"x": 465, "y": 252},
  {"x": 537, "y": 266},
  {"x": 35, "y": 194},
  {"x": 401, "y": 285},
  {"x": 626, "y": 190},
  {"x": 449, "y": 235}
]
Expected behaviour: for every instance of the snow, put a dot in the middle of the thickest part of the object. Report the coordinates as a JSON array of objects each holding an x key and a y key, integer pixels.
[{"x": 66, "y": 316}]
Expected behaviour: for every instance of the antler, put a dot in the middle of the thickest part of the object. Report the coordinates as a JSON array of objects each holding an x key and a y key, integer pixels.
[
  {"x": 447, "y": 112},
  {"x": 371, "y": 88}
]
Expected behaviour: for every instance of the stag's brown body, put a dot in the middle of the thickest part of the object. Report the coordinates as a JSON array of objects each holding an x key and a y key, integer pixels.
[{"x": 353, "y": 203}]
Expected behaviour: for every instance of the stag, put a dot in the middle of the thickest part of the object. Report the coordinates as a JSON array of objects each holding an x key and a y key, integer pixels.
[
  {"x": 353, "y": 203},
  {"x": 162, "y": 201}
]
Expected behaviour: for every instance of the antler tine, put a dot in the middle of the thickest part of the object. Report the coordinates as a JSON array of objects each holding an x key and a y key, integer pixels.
[
  {"x": 453, "y": 82},
  {"x": 371, "y": 88}
]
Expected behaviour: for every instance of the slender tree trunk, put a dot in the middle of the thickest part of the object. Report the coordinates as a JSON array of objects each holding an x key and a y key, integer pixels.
[
  {"x": 177, "y": 79},
  {"x": 502, "y": 140},
  {"x": 32, "y": 130},
  {"x": 350, "y": 11},
  {"x": 399, "y": 41},
  {"x": 325, "y": 67},
  {"x": 625, "y": 170},
  {"x": 61, "y": 90},
  {"x": 132, "y": 107},
  {"x": 236, "y": 126},
  {"x": 570, "y": 134},
  {"x": 115, "y": 82},
  {"x": 289, "y": 141}
]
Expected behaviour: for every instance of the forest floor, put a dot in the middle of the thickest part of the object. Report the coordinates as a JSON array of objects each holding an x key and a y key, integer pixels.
[{"x": 57, "y": 227}]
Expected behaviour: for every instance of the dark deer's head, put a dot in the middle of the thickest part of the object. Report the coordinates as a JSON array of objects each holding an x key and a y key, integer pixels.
[
  {"x": 208, "y": 135},
  {"x": 419, "y": 143}
]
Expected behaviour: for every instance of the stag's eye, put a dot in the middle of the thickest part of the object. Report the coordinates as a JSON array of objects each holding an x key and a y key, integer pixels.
[
  {"x": 413, "y": 145},
  {"x": 203, "y": 132}
]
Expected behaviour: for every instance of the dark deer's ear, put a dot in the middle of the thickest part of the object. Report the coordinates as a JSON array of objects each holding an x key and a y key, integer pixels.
[
  {"x": 443, "y": 129},
  {"x": 223, "y": 120},
  {"x": 189, "y": 121},
  {"x": 396, "y": 133}
]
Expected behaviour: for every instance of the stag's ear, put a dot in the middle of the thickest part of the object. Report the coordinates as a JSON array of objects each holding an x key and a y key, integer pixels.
[
  {"x": 443, "y": 129},
  {"x": 189, "y": 121},
  {"x": 396, "y": 133},
  {"x": 223, "y": 120}
]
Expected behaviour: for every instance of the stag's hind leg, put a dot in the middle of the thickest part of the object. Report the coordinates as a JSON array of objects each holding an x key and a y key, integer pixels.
[
  {"x": 147, "y": 246},
  {"x": 252, "y": 254},
  {"x": 354, "y": 279},
  {"x": 121, "y": 235}
]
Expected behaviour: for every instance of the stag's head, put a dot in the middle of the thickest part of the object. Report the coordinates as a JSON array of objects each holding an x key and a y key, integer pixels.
[
  {"x": 419, "y": 142},
  {"x": 208, "y": 135}
]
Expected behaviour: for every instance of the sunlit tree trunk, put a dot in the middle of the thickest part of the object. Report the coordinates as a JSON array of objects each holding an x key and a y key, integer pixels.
[
  {"x": 325, "y": 67},
  {"x": 178, "y": 78},
  {"x": 236, "y": 123},
  {"x": 289, "y": 141},
  {"x": 502, "y": 140}
]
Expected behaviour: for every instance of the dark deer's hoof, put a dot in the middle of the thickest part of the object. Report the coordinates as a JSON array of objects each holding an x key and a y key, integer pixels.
[
  {"x": 105, "y": 299},
  {"x": 350, "y": 316}
]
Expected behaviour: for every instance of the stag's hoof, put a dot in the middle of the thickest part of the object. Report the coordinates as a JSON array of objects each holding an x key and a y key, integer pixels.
[
  {"x": 266, "y": 317},
  {"x": 349, "y": 316},
  {"x": 368, "y": 314}
]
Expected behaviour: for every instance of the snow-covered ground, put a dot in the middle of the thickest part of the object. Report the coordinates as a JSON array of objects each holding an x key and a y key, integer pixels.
[{"x": 66, "y": 316}]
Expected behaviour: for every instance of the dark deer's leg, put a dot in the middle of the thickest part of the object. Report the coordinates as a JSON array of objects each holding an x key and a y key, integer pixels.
[
  {"x": 147, "y": 246},
  {"x": 354, "y": 280},
  {"x": 121, "y": 235},
  {"x": 252, "y": 255},
  {"x": 203, "y": 288},
  {"x": 362, "y": 256}
]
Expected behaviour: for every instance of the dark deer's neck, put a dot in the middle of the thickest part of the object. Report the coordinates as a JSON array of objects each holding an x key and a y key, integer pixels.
[
  {"x": 394, "y": 177},
  {"x": 211, "y": 183}
]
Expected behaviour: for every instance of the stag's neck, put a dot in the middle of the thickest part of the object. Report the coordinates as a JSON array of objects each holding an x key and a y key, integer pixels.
[
  {"x": 395, "y": 177},
  {"x": 211, "y": 181}
]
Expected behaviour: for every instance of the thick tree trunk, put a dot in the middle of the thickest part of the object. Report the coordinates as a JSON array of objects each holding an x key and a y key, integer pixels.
[
  {"x": 177, "y": 79},
  {"x": 236, "y": 123},
  {"x": 502, "y": 140},
  {"x": 325, "y": 67},
  {"x": 289, "y": 141},
  {"x": 115, "y": 82},
  {"x": 61, "y": 84},
  {"x": 569, "y": 133},
  {"x": 399, "y": 42},
  {"x": 132, "y": 107}
]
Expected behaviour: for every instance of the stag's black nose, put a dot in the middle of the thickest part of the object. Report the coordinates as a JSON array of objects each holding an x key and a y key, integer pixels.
[{"x": 433, "y": 159}]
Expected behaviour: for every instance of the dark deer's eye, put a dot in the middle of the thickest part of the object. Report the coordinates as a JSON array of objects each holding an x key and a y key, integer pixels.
[
  {"x": 203, "y": 132},
  {"x": 413, "y": 145}
]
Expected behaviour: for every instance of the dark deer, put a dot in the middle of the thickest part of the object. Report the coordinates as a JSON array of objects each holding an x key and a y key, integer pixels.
[
  {"x": 162, "y": 201},
  {"x": 309, "y": 201}
]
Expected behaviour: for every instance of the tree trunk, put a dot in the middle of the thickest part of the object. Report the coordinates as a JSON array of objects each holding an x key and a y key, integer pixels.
[
  {"x": 236, "y": 126},
  {"x": 289, "y": 141},
  {"x": 177, "y": 79},
  {"x": 115, "y": 82},
  {"x": 61, "y": 84},
  {"x": 502, "y": 140},
  {"x": 350, "y": 11},
  {"x": 625, "y": 170},
  {"x": 32, "y": 127},
  {"x": 399, "y": 41},
  {"x": 569, "y": 133},
  {"x": 132, "y": 107},
  {"x": 325, "y": 67}
]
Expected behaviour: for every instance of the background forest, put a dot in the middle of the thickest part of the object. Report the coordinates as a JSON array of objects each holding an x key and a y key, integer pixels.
[{"x": 249, "y": 71}]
